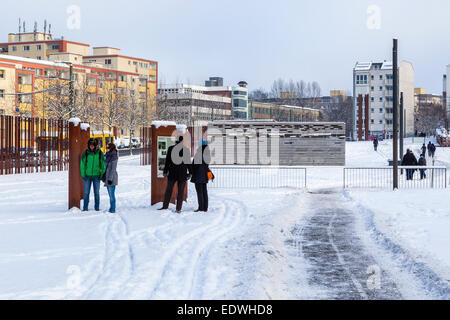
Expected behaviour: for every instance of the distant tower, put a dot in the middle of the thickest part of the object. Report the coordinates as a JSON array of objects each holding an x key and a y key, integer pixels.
[{"x": 242, "y": 84}]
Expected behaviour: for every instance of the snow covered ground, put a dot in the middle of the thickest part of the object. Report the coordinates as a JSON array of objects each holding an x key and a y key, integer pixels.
[{"x": 319, "y": 243}]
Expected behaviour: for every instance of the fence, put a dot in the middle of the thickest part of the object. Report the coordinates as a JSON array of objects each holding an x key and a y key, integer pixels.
[
  {"x": 382, "y": 178},
  {"x": 146, "y": 146},
  {"x": 244, "y": 177},
  {"x": 30, "y": 145}
]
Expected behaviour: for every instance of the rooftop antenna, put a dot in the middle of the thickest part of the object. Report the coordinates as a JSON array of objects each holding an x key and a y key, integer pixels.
[
  {"x": 35, "y": 30},
  {"x": 45, "y": 27},
  {"x": 50, "y": 28},
  {"x": 24, "y": 30}
]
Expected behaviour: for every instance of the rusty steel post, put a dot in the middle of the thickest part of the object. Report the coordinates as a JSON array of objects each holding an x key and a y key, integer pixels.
[
  {"x": 367, "y": 116},
  {"x": 84, "y": 138},
  {"x": 360, "y": 118},
  {"x": 74, "y": 165}
]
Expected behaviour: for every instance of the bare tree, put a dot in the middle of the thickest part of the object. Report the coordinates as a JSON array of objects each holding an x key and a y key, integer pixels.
[{"x": 428, "y": 118}]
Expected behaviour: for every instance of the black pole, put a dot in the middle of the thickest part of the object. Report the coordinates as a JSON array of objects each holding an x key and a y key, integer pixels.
[
  {"x": 71, "y": 92},
  {"x": 402, "y": 124},
  {"x": 395, "y": 115}
]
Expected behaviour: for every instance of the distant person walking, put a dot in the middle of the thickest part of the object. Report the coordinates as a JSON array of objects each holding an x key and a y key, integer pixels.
[
  {"x": 429, "y": 147},
  {"x": 424, "y": 149},
  {"x": 92, "y": 167},
  {"x": 433, "y": 150},
  {"x": 177, "y": 169},
  {"x": 422, "y": 162},
  {"x": 111, "y": 178},
  {"x": 375, "y": 144},
  {"x": 409, "y": 159},
  {"x": 200, "y": 168}
]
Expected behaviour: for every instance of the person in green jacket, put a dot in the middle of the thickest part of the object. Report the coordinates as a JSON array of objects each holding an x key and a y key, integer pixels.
[{"x": 92, "y": 168}]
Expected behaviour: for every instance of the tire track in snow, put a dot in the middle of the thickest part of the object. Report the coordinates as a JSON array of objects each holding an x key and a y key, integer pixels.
[{"x": 195, "y": 245}]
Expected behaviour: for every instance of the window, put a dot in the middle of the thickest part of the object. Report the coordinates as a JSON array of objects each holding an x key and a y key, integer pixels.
[
  {"x": 26, "y": 48},
  {"x": 39, "y": 58},
  {"x": 372, "y": 121},
  {"x": 372, "y": 99},
  {"x": 14, "y": 48},
  {"x": 361, "y": 79},
  {"x": 371, "y": 78},
  {"x": 100, "y": 99},
  {"x": 2, "y": 74},
  {"x": 381, "y": 88},
  {"x": 39, "y": 47},
  {"x": 129, "y": 62},
  {"x": 381, "y": 99},
  {"x": 55, "y": 47},
  {"x": 372, "y": 110},
  {"x": 381, "y": 121},
  {"x": 389, "y": 77},
  {"x": 107, "y": 61},
  {"x": 372, "y": 88},
  {"x": 2, "y": 93},
  {"x": 381, "y": 77},
  {"x": 381, "y": 110}
]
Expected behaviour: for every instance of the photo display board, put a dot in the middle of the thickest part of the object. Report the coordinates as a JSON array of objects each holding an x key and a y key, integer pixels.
[{"x": 163, "y": 146}]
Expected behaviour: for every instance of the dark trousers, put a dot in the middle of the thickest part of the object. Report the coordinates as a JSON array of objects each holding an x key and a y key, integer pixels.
[
  {"x": 202, "y": 196},
  {"x": 180, "y": 196},
  {"x": 409, "y": 174},
  {"x": 423, "y": 175}
]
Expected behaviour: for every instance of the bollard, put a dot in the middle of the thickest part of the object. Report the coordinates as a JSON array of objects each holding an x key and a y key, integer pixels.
[{"x": 74, "y": 163}]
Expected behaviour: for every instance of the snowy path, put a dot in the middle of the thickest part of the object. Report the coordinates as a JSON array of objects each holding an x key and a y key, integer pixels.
[{"x": 339, "y": 263}]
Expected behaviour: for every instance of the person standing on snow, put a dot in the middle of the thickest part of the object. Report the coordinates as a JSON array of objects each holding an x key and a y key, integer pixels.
[
  {"x": 422, "y": 162},
  {"x": 92, "y": 167},
  {"x": 433, "y": 150},
  {"x": 111, "y": 177},
  {"x": 375, "y": 144},
  {"x": 429, "y": 147},
  {"x": 200, "y": 168},
  {"x": 424, "y": 149},
  {"x": 409, "y": 159},
  {"x": 177, "y": 169}
]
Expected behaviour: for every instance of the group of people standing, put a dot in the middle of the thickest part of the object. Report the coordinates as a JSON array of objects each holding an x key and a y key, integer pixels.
[
  {"x": 409, "y": 159},
  {"x": 178, "y": 169},
  {"x": 95, "y": 167}
]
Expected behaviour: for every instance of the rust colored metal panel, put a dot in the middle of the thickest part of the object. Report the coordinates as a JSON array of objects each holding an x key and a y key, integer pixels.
[
  {"x": 82, "y": 146},
  {"x": 159, "y": 184},
  {"x": 367, "y": 116},
  {"x": 2, "y": 146},
  {"x": 74, "y": 166},
  {"x": 360, "y": 118}
]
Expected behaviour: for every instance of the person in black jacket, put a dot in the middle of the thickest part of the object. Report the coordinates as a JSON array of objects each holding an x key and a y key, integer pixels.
[
  {"x": 409, "y": 159},
  {"x": 422, "y": 162},
  {"x": 375, "y": 144},
  {"x": 177, "y": 169},
  {"x": 433, "y": 150},
  {"x": 429, "y": 147},
  {"x": 424, "y": 149},
  {"x": 200, "y": 168}
]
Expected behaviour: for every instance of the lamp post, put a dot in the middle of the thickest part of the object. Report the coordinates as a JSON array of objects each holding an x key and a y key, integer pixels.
[{"x": 71, "y": 93}]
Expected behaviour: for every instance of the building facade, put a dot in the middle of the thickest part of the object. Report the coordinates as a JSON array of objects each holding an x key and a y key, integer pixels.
[
  {"x": 283, "y": 113},
  {"x": 238, "y": 95},
  {"x": 194, "y": 105},
  {"x": 34, "y": 62},
  {"x": 376, "y": 81}
]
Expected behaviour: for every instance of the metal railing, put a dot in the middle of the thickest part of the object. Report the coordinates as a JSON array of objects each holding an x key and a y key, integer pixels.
[
  {"x": 247, "y": 177},
  {"x": 382, "y": 178}
]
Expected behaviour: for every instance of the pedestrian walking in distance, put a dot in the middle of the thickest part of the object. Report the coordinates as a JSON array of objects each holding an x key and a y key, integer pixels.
[
  {"x": 200, "y": 168},
  {"x": 422, "y": 162},
  {"x": 429, "y": 147},
  {"x": 92, "y": 167},
  {"x": 111, "y": 178},
  {"x": 433, "y": 150},
  {"x": 409, "y": 159},
  {"x": 177, "y": 169},
  {"x": 375, "y": 144},
  {"x": 424, "y": 149}
]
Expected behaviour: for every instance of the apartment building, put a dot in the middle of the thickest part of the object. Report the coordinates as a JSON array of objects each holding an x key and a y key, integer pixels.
[
  {"x": 376, "y": 81},
  {"x": 282, "y": 113},
  {"x": 238, "y": 95},
  {"x": 194, "y": 105},
  {"x": 35, "y": 61}
]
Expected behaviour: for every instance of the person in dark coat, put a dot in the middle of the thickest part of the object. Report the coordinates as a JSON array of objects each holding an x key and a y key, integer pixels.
[
  {"x": 429, "y": 147},
  {"x": 177, "y": 169},
  {"x": 422, "y": 162},
  {"x": 433, "y": 150},
  {"x": 409, "y": 159},
  {"x": 424, "y": 149},
  {"x": 200, "y": 168},
  {"x": 375, "y": 144},
  {"x": 111, "y": 176}
]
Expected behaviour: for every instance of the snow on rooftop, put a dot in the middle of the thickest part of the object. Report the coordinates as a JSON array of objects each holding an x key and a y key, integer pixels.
[
  {"x": 28, "y": 60},
  {"x": 158, "y": 124},
  {"x": 75, "y": 121},
  {"x": 84, "y": 126}
]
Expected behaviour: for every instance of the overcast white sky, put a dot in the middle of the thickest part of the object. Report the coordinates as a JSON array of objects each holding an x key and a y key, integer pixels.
[{"x": 255, "y": 40}]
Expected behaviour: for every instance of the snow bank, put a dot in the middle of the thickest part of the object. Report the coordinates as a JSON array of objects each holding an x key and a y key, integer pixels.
[{"x": 158, "y": 124}]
